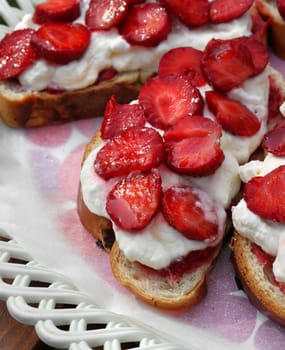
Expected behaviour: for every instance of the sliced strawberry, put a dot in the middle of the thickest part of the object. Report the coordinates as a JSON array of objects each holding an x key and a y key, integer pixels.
[
  {"x": 281, "y": 7},
  {"x": 119, "y": 117},
  {"x": 228, "y": 63},
  {"x": 192, "y": 146},
  {"x": 185, "y": 61},
  {"x": 106, "y": 74},
  {"x": 190, "y": 12},
  {"x": 259, "y": 26},
  {"x": 146, "y": 25},
  {"x": 134, "y": 200},
  {"x": 274, "y": 102},
  {"x": 227, "y": 10},
  {"x": 135, "y": 2},
  {"x": 274, "y": 140},
  {"x": 259, "y": 53},
  {"x": 191, "y": 212},
  {"x": 134, "y": 149},
  {"x": 16, "y": 53},
  {"x": 264, "y": 195},
  {"x": 233, "y": 116},
  {"x": 168, "y": 99},
  {"x": 61, "y": 42},
  {"x": 105, "y": 14},
  {"x": 57, "y": 11}
]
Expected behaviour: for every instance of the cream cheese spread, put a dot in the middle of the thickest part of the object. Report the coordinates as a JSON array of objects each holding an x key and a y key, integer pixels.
[
  {"x": 109, "y": 49},
  {"x": 269, "y": 235}
]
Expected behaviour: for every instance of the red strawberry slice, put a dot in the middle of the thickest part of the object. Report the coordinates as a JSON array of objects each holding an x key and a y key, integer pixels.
[
  {"x": 119, "y": 117},
  {"x": 134, "y": 200},
  {"x": 227, "y": 10},
  {"x": 146, "y": 25},
  {"x": 106, "y": 74},
  {"x": 190, "y": 12},
  {"x": 233, "y": 116},
  {"x": 281, "y": 8},
  {"x": 166, "y": 100},
  {"x": 16, "y": 53},
  {"x": 228, "y": 63},
  {"x": 192, "y": 146},
  {"x": 57, "y": 11},
  {"x": 274, "y": 140},
  {"x": 184, "y": 61},
  {"x": 264, "y": 195},
  {"x": 259, "y": 26},
  {"x": 61, "y": 42},
  {"x": 259, "y": 53},
  {"x": 105, "y": 14},
  {"x": 134, "y": 149},
  {"x": 189, "y": 211},
  {"x": 274, "y": 102}
]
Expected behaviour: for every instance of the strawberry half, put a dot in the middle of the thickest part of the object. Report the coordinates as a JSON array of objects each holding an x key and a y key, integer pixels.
[
  {"x": 61, "y": 42},
  {"x": 233, "y": 116},
  {"x": 57, "y": 11},
  {"x": 16, "y": 53},
  {"x": 190, "y": 12},
  {"x": 281, "y": 7},
  {"x": 228, "y": 63},
  {"x": 191, "y": 212},
  {"x": 227, "y": 10},
  {"x": 119, "y": 117},
  {"x": 274, "y": 140},
  {"x": 265, "y": 195},
  {"x": 134, "y": 149},
  {"x": 134, "y": 200},
  {"x": 166, "y": 100},
  {"x": 192, "y": 146},
  {"x": 146, "y": 25},
  {"x": 105, "y": 14},
  {"x": 184, "y": 61}
]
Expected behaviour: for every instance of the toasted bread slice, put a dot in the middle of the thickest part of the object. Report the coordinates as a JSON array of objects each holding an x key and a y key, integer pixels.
[
  {"x": 264, "y": 295},
  {"x": 25, "y": 108},
  {"x": 157, "y": 290}
]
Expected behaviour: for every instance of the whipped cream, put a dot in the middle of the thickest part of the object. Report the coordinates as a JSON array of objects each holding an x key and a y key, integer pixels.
[
  {"x": 269, "y": 235},
  {"x": 253, "y": 93},
  {"x": 109, "y": 49},
  {"x": 158, "y": 244}
]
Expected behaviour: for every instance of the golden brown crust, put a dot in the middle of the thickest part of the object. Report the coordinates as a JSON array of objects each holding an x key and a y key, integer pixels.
[
  {"x": 98, "y": 226},
  {"x": 158, "y": 291},
  {"x": 29, "y": 109},
  {"x": 261, "y": 292},
  {"x": 276, "y": 33}
]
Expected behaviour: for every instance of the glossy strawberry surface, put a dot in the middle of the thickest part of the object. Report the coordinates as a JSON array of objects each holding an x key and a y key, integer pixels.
[
  {"x": 134, "y": 149},
  {"x": 168, "y": 99},
  {"x": 184, "y": 210},
  {"x": 134, "y": 200}
]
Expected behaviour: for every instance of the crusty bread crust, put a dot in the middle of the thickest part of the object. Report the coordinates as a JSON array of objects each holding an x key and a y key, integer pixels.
[
  {"x": 98, "y": 226},
  {"x": 22, "y": 108},
  {"x": 276, "y": 33},
  {"x": 267, "y": 297},
  {"x": 159, "y": 291}
]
